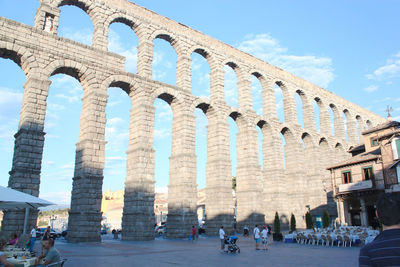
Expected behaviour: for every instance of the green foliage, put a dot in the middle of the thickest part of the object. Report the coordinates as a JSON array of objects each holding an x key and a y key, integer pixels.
[
  {"x": 309, "y": 221},
  {"x": 234, "y": 183},
  {"x": 292, "y": 223},
  {"x": 43, "y": 223},
  {"x": 325, "y": 219},
  {"x": 277, "y": 223}
]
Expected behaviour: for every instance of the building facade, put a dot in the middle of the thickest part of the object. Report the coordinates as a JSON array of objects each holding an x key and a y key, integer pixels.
[{"x": 373, "y": 169}]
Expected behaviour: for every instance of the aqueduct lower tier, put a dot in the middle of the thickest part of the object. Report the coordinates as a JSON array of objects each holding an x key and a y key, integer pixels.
[{"x": 260, "y": 192}]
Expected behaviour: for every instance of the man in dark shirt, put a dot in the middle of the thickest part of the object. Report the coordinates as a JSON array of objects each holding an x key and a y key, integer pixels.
[{"x": 385, "y": 249}]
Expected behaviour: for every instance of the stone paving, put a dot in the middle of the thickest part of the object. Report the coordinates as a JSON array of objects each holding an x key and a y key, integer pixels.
[{"x": 203, "y": 252}]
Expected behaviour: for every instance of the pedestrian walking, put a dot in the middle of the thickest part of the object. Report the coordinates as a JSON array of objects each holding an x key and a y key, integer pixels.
[
  {"x": 264, "y": 237},
  {"x": 194, "y": 232},
  {"x": 245, "y": 230},
  {"x": 256, "y": 233},
  {"x": 222, "y": 238},
  {"x": 385, "y": 249}
]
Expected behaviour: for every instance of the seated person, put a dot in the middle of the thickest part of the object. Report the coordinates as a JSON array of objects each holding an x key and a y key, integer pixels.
[
  {"x": 50, "y": 254},
  {"x": 14, "y": 240},
  {"x": 3, "y": 258}
]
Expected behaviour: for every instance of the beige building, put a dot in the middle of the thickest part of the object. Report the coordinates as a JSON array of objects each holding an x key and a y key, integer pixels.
[{"x": 373, "y": 168}]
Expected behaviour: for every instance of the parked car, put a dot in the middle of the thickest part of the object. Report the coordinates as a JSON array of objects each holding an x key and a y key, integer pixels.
[
  {"x": 103, "y": 232},
  {"x": 64, "y": 233}
]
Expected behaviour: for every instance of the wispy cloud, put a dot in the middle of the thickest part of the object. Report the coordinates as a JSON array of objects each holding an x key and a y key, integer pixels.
[
  {"x": 390, "y": 70},
  {"x": 116, "y": 45},
  {"x": 83, "y": 35},
  {"x": 371, "y": 88},
  {"x": 315, "y": 69},
  {"x": 61, "y": 197}
]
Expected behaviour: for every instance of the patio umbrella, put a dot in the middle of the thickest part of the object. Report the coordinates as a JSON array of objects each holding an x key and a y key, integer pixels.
[{"x": 11, "y": 199}]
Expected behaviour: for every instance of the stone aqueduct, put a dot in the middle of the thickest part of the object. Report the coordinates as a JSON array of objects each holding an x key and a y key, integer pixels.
[{"x": 260, "y": 192}]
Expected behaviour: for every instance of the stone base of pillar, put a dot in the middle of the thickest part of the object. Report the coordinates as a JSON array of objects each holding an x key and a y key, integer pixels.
[
  {"x": 13, "y": 222},
  {"x": 179, "y": 224},
  {"x": 84, "y": 226},
  {"x": 138, "y": 227},
  {"x": 250, "y": 221},
  {"x": 214, "y": 224}
]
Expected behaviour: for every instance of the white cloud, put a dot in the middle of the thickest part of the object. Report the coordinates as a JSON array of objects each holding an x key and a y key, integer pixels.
[
  {"x": 68, "y": 166},
  {"x": 84, "y": 35},
  {"x": 129, "y": 52},
  {"x": 390, "y": 70},
  {"x": 62, "y": 197},
  {"x": 315, "y": 69},
  {"x": 161, "y": 133},
  {"x": 371, "y": 88}
]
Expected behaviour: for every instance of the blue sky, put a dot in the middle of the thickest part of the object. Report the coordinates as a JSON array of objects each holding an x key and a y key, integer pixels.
[{"x": 351, "y": 48}]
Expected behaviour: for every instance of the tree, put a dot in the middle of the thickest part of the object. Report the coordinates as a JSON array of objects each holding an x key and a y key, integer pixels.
[
  {"x": 234, "y": 183},
  {"x": 309, "y": 221},
  {"x": 292, "y": 223},
  {"x": 277, "y": 224},
  {"x": 325, "y": 219}
]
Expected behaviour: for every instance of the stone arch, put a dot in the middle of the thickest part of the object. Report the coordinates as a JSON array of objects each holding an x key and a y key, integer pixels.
[
  {"x": 20, "y": 56},
  {"x": 360, "y": 127},
  {"x": 170, "y": 96},
  {"x": 292, "y": 149},
  {"x": 75, "y": 69},
  {"x": 201, "y": 103},
  {"x": 368, "y": 124},
  {"x": 170, "y": 38},
  {"x": 124, "y": 82},
  {"x": 208, "y": 56},
  {"x": 118, "y": 18},
  {"x": 306, "y": 110},
  {"x": 307, "y": 139}
]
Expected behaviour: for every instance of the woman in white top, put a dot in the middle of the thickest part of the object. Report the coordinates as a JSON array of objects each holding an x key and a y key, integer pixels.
[{"x": 222, "y": 237}]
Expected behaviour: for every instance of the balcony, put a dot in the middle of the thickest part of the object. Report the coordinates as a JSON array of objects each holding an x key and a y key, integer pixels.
[{"x": 355, "y": 186}]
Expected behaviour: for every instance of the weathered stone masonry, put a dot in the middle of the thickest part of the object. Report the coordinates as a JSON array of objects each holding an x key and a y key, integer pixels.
[{"x": 41, "y": 53}]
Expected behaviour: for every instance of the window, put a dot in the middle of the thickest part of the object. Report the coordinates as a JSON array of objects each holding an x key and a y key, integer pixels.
[
  {"x": 367, "y": 173},
  {"x": 374, "y": 142},
  {"x": 346, "y": 177}
]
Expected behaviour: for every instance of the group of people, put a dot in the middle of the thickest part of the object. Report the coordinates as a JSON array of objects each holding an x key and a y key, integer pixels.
[
  {"x": 259, "y": 236},
  {"x": 49, "y": 254}
]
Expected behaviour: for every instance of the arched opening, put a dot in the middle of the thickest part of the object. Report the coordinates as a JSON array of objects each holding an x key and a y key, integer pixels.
[
  {"x": 117, "y": 138},
  {"x": 123, "y": 40},
  {"x": 26, "y": 15},
  {"x": 12, "y": 80},
  {"x": 298, "y": 97},
  {"x": 368, "y": 124},
  {"x": 325, "y": 155},
  {"x": 317, "y": 115},
  {"x": 359, "y": 127},
  {"x": 332, "y": 119},
  {"x": 200, "y": 74},
  {"x": 291, "y": 150},
  {"x": 256, "y": 92},
  {"x": 279, "y": 101},
  {"x": 340, "y": 151},
  {"x": 201, "y": 156},
  {"x": 345, "y": 124},
  {"x": 230, "y": 85},
  {"x": 164, "y": 60},
  {"x": 75, "y": 24},
  {"x": 233, "y": 131},
  {"x": 62, "y": 126}
]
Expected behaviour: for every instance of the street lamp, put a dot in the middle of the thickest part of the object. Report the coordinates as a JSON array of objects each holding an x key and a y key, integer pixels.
[{"x": 52, "y": 219}]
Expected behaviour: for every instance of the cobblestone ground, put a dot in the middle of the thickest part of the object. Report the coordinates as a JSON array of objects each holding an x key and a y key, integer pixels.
[{"x": 202, "y": 252}]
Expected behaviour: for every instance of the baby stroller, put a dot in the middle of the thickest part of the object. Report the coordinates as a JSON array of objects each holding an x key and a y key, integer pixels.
[{"x": 231, "y": 242}]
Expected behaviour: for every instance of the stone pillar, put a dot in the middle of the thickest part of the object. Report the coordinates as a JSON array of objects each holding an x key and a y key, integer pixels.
[
  {"x": 145, "y": 54},
  {"x": 28, "y": 151},
  {"x": 217, "y": 83},
  {"x": 138, "y": 214},
  {"x": 219, "y": 199},
  {"x": 100, "y": 33},
  {"x": 248, "y": 177},
  {"x": 308, "y": 116},
  {"x": 338, "y": 124},
  {"x": 351, "y": 130},
  {"x": 46, "y": 18},
  {"x": 346, "y": 214},
  {"x": 364, "y": 218},
  {"x": 324, "y": 121},
  {"x": 184, "y": 72},
  {"x": 84, "y": 222},
  {"x": 268, "y": 98},
  {"x": 274, "y": 184},
  {"x": 340, "y": 208},
  {"x": 289, "y": 105},
  {"x": 244, "y": 93},
  {"x": 182, "y": 189}
]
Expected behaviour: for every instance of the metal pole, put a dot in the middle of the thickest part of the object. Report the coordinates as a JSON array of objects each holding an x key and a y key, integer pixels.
[{"x": 26, "y": 219}]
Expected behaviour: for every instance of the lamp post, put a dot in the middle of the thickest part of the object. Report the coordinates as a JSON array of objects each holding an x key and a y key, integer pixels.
[{"x": 52, "y": 219}]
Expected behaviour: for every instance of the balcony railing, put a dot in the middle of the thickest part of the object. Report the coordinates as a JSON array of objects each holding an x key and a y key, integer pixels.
[{"x": 355, "y": 186}]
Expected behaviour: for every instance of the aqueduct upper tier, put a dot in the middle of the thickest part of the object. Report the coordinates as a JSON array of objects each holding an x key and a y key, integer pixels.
[{"x": 281, "y": 185}]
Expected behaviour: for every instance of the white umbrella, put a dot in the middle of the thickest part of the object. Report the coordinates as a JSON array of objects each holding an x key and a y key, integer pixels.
[{"x": 11, "y": 199}]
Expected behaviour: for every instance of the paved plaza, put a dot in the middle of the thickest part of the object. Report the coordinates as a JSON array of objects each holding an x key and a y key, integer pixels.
[{"x": 203, "y": 252}]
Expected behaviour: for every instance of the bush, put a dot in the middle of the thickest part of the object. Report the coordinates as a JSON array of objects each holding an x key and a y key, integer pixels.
[
  {"x": 277, "y": 223},
  {"x": 292, "y": 223},
  {"x": 309, "y": 221},
  {"x": 325, "y": 219}
]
